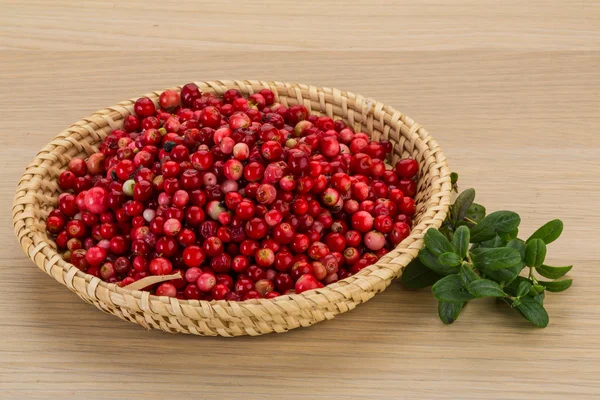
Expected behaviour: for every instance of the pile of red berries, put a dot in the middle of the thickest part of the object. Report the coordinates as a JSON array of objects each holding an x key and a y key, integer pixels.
[{"x": 244, "y": 197}]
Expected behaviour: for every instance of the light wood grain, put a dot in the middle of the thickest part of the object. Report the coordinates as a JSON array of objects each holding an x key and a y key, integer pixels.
[{"x": 510, "y": 91}]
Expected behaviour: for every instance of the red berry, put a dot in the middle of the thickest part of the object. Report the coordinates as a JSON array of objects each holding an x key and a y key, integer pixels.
[
  {"x": 96, "y": 200},
  {"x": 362, "y": 221},
  {"x": 192, "y": 274},
  {"x": 243, "y": 285},
  {"x": 330, "y": 197},
  {"x": 131, "y": 123},
  {"x": 329, "y": 146},
  {"x": 193, "y": 256},
  {"x": 78, "y": 167},
  {"x": 144, "y": 107},
  {"x": 95, "y": 256},
  {"x": 300, "y": 268},
  {"x": 254, "y": 172},
  {"x": 407, "y": 206},
  {"x": 66, "y": 180},
  {"x": 264, "y": 286},
  {"x": 406, "y": 168},
  {"x": 300, "y": 243},
  {"x": 189, "y": 93},
  {"x": 318, "y": 250},
  {"x": 256, "y": 228},
  {"x": 160, "y": 266},
  {"x": 307, "y": 282},
  {"x": 191, "y": 292},
  {"x": 265, "y": 257},
  {"x": 172, "y": 227},
  {"x": 408, "y": 187},
  {"x": 383, "y": 223},
  {"x": 166, "y": 289},
  {"x": 169, "y": 99},
  {"x": 400, "y": 231},
  {"x": 211, "y": 117},
  {"x": 206, "y": 282},
  {"x": 220, "y": 291},
  {"x": 283, "y": 282}
]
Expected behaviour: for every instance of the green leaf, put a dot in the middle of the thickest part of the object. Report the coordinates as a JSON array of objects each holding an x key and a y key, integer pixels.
[
  {"x": 450, "y": 259},
  {"x": 460, "y": 241},
  {"x": 432, "y": 262},
  {"x": 461, "y": 205},
  {"x": 418, "y": 276},
  {"x": 540, "y": 298},
  {"x": 519, "y": 245},
  {"x": 552, "y": 272},
  {"x": 538, "y": 289},
  {"x": 475, "y": 213},
  {"x": 549, "y": 232},
  {"x": 499, "y": 221},
  {"x": 495, "y": 259},
  {"x": 450, "y": 289},
  {"x": 506, "y": 275},
  {"x": 449, "y": 311},
  {"x": 513, "y": 286},
  {"x": 453, "y": 178},
  {"x": 467, "y": 275},
  {"x": 507, "y": 237},
  {"x": 535, "y": 253},
  {"x": 486, "y": 288},
  {"x": 533, "y": 311},
  {"x": 497, "y": 241},
  {"x": 557, "y": 286},
  {"x": 447, "y": 231},
  {"x": 437, "y": 243},
  {"x": 524, "y": 288}
]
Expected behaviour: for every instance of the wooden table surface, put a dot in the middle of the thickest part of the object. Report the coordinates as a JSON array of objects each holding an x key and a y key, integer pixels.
[{"x": 511, "y": 90}]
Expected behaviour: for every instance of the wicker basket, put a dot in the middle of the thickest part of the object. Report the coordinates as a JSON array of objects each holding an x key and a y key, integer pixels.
[{"x": 38, "y": 190}]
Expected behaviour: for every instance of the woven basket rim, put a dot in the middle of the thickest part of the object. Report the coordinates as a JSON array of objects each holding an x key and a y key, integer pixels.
[{"x": 108, "y": 114}]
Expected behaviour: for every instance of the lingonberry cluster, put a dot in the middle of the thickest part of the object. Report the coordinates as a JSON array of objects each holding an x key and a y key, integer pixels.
[{"x": 244, "y": 197}]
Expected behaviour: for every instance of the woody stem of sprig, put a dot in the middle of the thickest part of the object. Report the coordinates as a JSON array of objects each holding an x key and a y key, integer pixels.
[{"x": 532, "y": 277}]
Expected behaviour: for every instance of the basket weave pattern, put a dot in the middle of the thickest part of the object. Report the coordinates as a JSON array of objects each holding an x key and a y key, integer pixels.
[{"x": 38, "y": 190}]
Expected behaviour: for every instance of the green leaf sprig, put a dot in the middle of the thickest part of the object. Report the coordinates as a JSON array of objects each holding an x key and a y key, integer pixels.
[{"x": 474, "y": 255}]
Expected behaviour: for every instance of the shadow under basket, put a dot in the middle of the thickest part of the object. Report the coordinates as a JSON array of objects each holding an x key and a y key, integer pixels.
[{"x": 38, "y": 190}]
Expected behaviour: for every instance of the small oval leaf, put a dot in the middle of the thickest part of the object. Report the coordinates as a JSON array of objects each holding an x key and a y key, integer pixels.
[
  {"x": 461, "y": 205},
  {"x": 486, "y": 288},
  {"x": 450, "y": 259},
  {"x": 506, "y": 275},
  {"x": 475, "y": 213},
  {"x": 499, "y": 221},
  {"x": 467, "y": 275},
  {"x": 540, "y": 298},
  {"x": 557, "y": 286},
  {"x": 553, "y": 272},
  {"x": 418, "y": 276},
  {"x": 507, "y": 237},
  {"x": 460, "y": 241},
  {"x": 437, "y": 243},
  {"x": 432, "y": 262},
  {"x": 524, "y": 288},
  {"x": 548, "y": 232},
  {"x": 533, "y": 311},
  {"x": 450, "y": 289},
  {"x": 519, "y": 245},
  {"x": 449, "y": 312},
  {"x": 535, "y": 253},
  {"x": 497, "y": 258}
]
